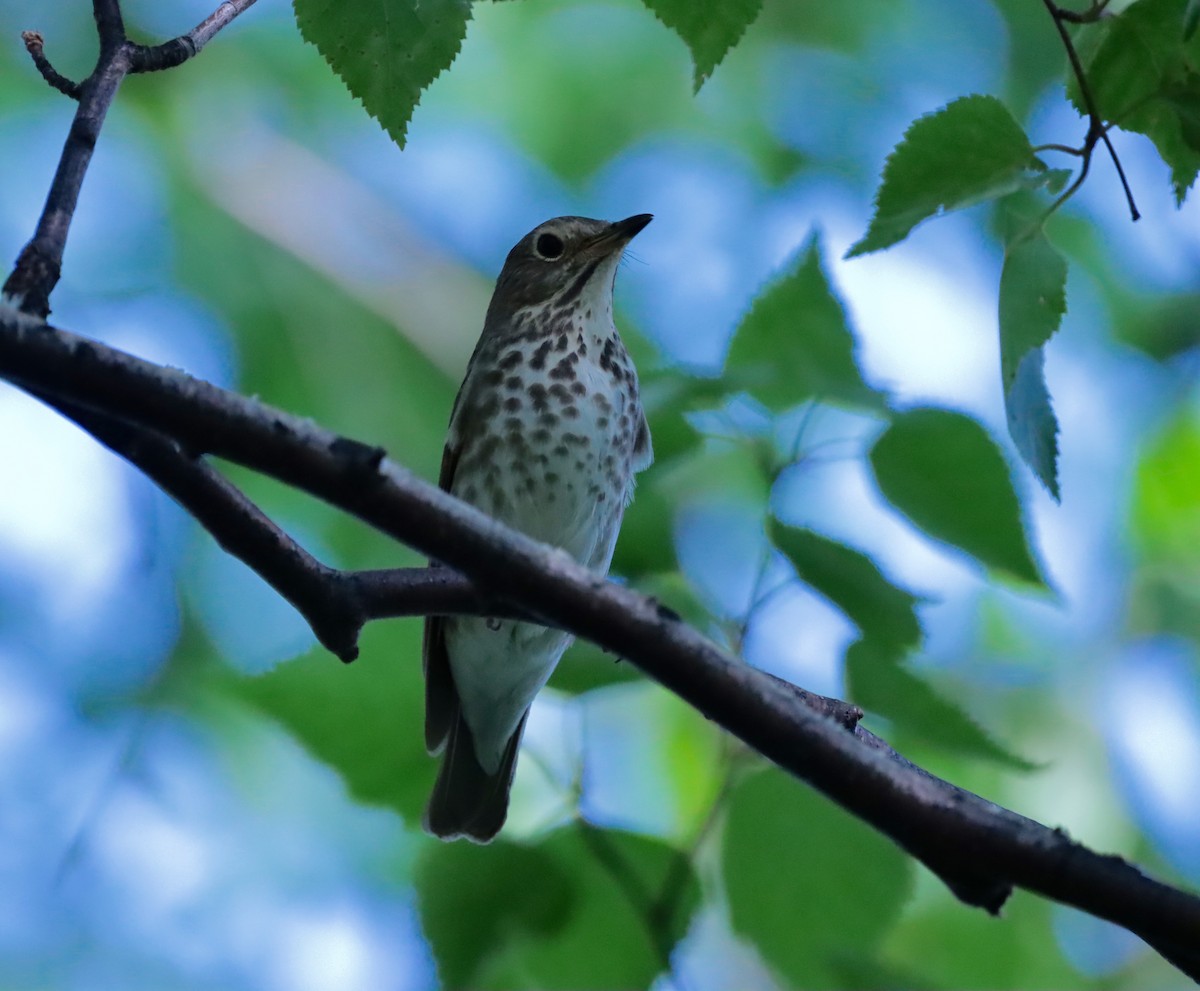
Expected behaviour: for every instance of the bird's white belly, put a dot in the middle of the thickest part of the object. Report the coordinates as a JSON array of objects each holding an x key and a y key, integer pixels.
[{"x": 557, "y": 469}]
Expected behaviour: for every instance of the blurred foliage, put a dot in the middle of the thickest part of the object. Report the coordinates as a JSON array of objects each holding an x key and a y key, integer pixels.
[
  {"x": 1028, "y": 319},
  {"x": 1145, "y": 77},
  {"x": 945, "y": 474},
  {"x": 583, "y": 908},
  {"x": 783, "y": 845},
  {"x": 794, "y": 343},
  {"x": 589, "y": 889}
]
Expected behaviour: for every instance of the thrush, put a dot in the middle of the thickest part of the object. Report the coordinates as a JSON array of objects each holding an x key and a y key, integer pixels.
[{"x": 546, "y": 435}]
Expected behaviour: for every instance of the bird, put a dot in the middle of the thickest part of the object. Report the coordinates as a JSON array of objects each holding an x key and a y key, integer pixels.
[{"x": 546, "y": 435}]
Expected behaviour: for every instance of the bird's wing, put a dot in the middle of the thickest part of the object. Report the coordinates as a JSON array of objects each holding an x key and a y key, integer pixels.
[
  {"x": 441, "y": 697},
  {"x": 643, "y": 449}
]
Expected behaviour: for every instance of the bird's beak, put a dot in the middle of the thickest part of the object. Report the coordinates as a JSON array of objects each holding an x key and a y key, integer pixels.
[
  {"x": 626, "y": 229},
  {"x": 621, "y": 233}
]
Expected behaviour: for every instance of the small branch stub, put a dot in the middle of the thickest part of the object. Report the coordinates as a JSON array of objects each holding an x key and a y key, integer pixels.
[{"x": 35, "y": 45}]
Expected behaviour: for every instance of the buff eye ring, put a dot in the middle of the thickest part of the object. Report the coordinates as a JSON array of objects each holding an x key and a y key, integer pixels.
[{"x": 548, "y": 246}]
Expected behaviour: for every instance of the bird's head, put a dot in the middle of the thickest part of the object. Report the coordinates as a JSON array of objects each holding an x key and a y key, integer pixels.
[{"x": 563, "y": 264}]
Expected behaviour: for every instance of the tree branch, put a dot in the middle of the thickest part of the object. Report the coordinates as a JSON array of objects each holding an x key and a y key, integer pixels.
[
  {"x": 153, "y": 58},
  {"x": 978, "y": 847},
  {"x": 110, "y": 26},
  {"x": 40, "y": 263},
  {"x": 35, "y": 46},
  {"x": 163, "y": 421},
  {"x": 1097, "y": 131},
  {"x": 335, "y": 604}
]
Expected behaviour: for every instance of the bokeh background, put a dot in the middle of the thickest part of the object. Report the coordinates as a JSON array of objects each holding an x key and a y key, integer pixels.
[{"x": 192, "y": 795}]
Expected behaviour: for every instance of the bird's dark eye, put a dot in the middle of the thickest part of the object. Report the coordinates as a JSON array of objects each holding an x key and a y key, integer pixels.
[{"x": 548, "y": 246}]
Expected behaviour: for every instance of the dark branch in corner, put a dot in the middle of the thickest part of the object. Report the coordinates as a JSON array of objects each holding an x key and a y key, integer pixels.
[
  {"x": 40, "y": 263},
  {"x": 1097, "y": 129},
  {"x": 979, "y": 848}
]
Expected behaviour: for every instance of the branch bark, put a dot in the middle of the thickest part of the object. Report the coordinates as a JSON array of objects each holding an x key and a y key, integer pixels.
[
  {"x": 40, "y": 263},
  {"x": 979, "y": 848}
]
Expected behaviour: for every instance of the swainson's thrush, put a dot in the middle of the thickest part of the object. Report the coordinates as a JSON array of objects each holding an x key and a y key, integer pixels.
[{"x": 546, "y": 435}]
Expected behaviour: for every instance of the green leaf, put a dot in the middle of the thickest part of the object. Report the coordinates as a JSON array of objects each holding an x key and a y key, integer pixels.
[
  {"x": 669, "y": 395},
  {"x": 1031, "y": 420},
  {"x": 570, "y": 912},
  {"x": 720, "y": 472},
  {"x": 1173, "y": 135},
  {"x": 1165, "y": 329},
  {"x": 386, "y": 51},
  {"x": 646, "y": 542},
  {"x": 795, "y": 342},
  {"x": 586, "y": 667},
  {"x": 1131, "y": 57},
  {"x": 852, "y": 582},
  {"x": 807, "y": 883},
  {"x": 950, "y": 946},
  {"x": 970, "y": 151},
  {"x": 364, "y": 719},
  {"x": 1183, "y": 98},
  {"x": 475, "y": 900},
  {"x": 1191, "y": 19},
  {"x": 1033, "y": 299},
  {"x": 879, "y": 681},
  {"x": 943, "y": 472},
  {"x": 1166, "y": 508},
  {"x": 708, "y": 27},
  {"x": 1141, "y": 76}
]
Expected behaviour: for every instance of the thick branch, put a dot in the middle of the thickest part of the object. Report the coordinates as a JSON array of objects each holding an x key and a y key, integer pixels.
[
  {"x": 978, "y": 844},
  {"x": 326, "y": 598},
  {"x": 335, "y": 604},
  {"x": 110, "y": 26}
]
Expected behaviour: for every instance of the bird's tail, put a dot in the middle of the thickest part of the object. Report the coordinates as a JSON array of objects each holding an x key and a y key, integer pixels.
[{"x": 467, "y": 801}]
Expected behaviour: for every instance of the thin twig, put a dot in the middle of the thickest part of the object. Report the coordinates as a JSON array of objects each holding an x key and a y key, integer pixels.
[
  {"x": 154, "y": 58},
  {"x": 1112, "y": 153},
  {"x": 39, "y": 265},
  {"x": 1092, "y": 14},
  {"x": 40, "y": 262},
  {"x": 1065, "y": 149},
  {"x": 1096, "y": 129},
  {"x": 1070, "y": 191},
  {"x": 35, "y": 46}
]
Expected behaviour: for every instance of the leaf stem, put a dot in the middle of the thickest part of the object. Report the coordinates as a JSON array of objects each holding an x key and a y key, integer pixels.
[{"x": 1097, "y": 131}]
